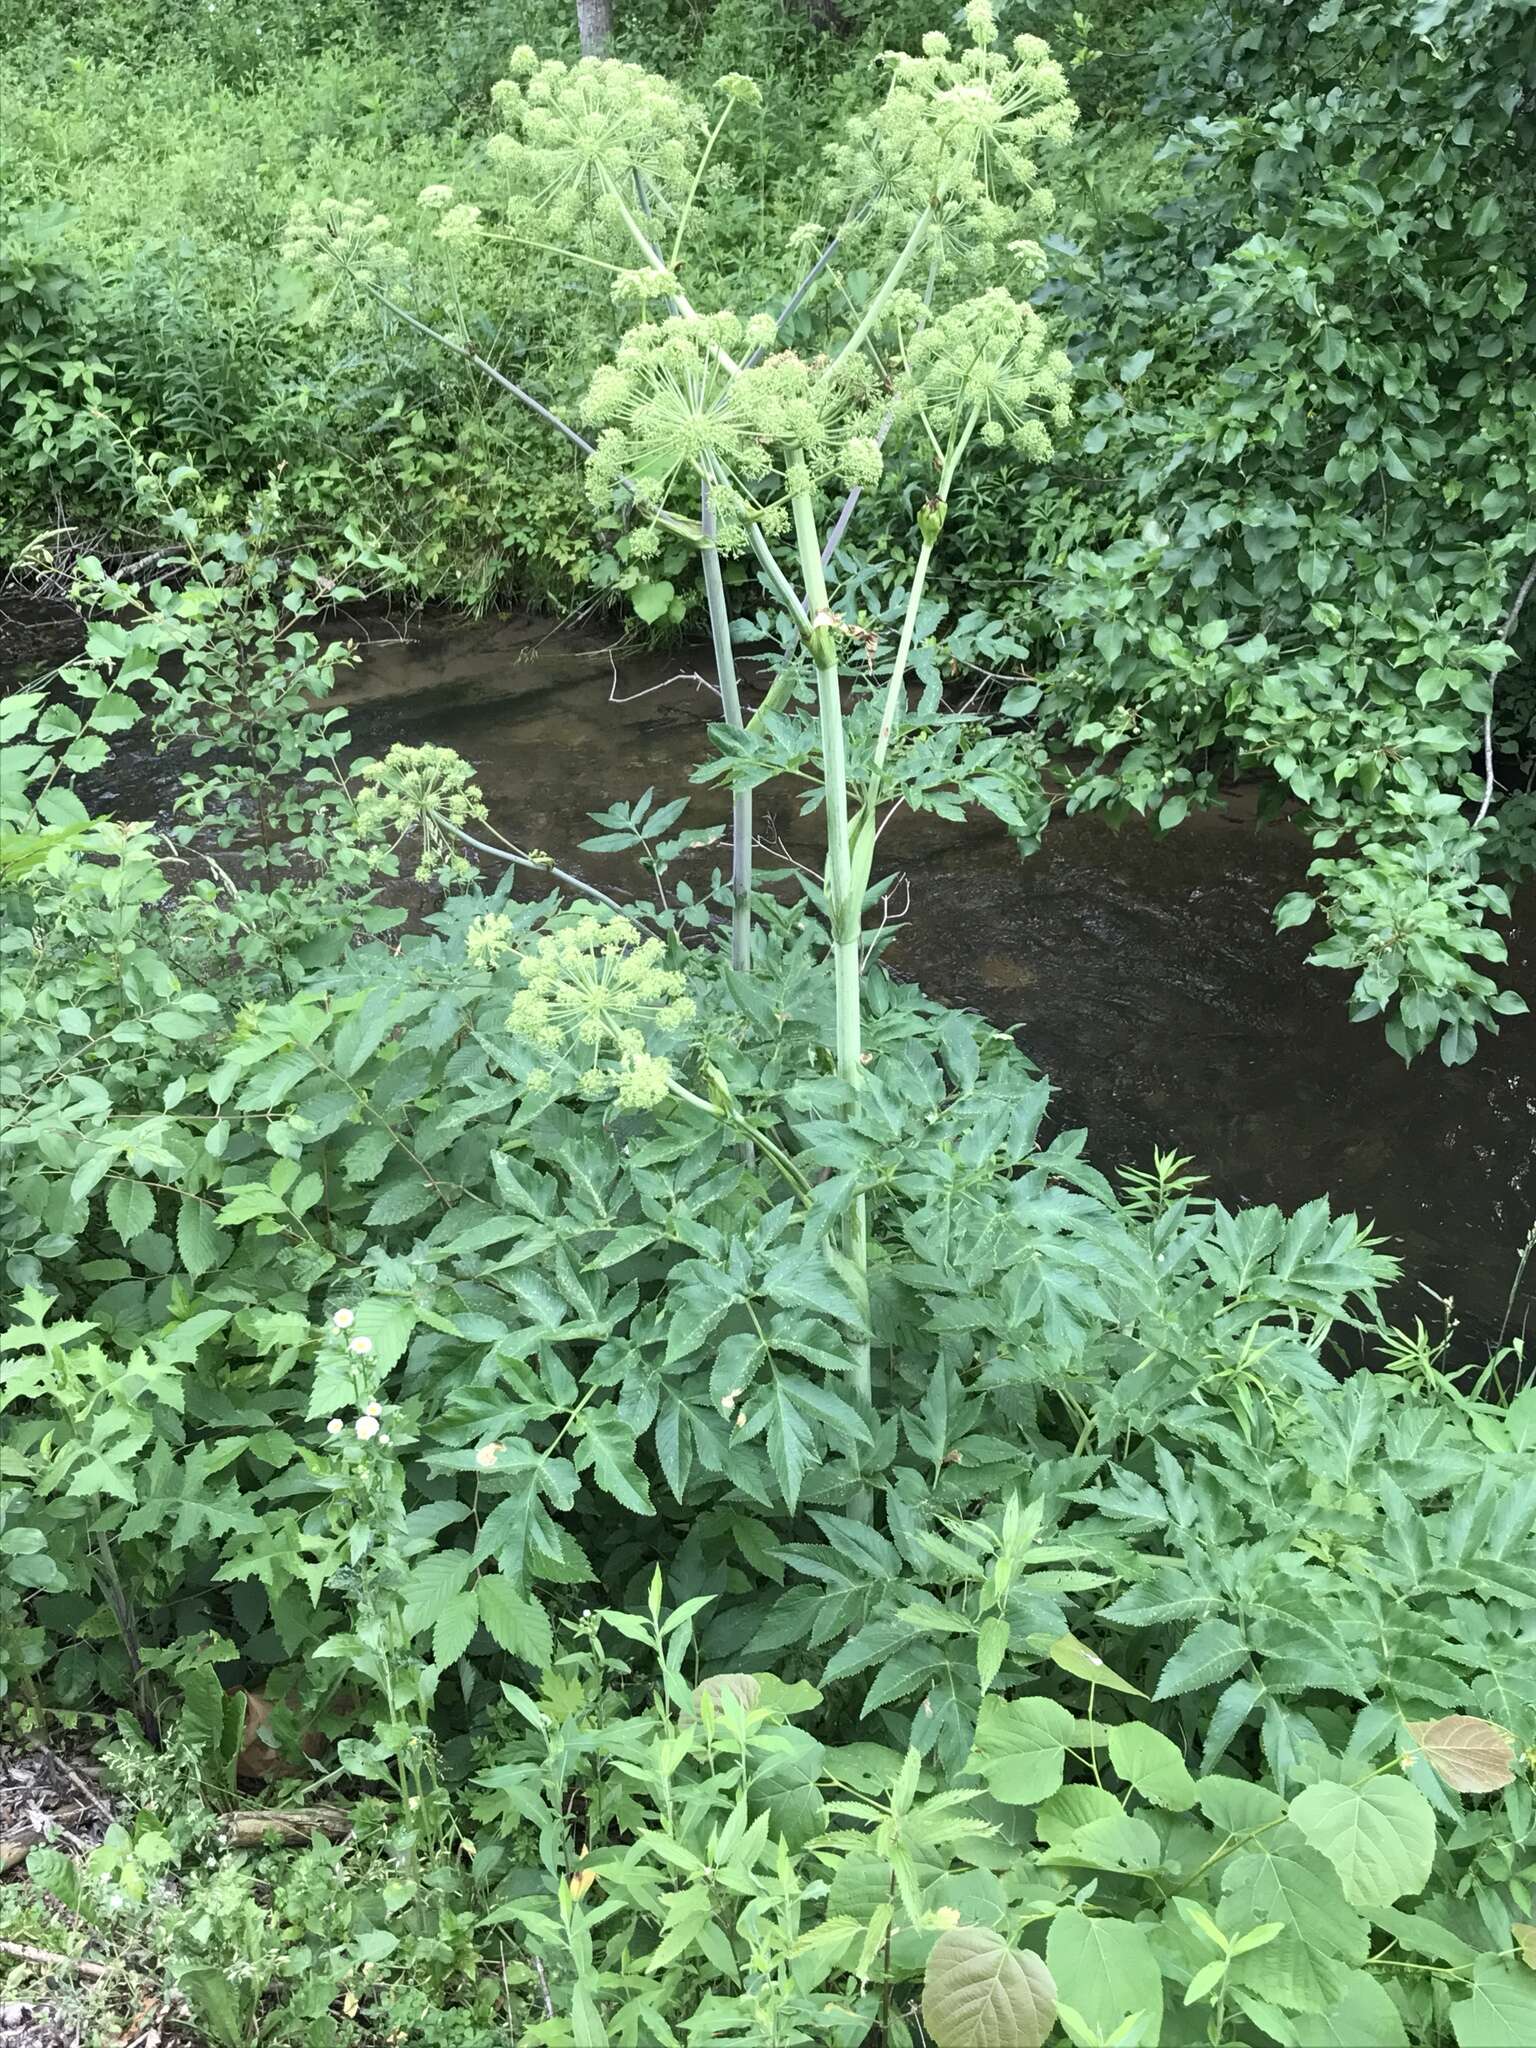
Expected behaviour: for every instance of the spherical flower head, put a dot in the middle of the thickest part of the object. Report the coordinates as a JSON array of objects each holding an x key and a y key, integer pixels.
[
  {"x": 746, "y": 92},
  {"x": 588, "y": 137},
  {"x": 343, "y": 1319},
  {"x": 343, "y": 238},
  {"x": 365, "y": 1428},
  {"x": 595, "y": 993},
  {"x": 684, "y": 403},
  {"x": 425, "y": 791},
  {"x": 991, "y": 360},
  {"x": 644, "y": 1079},
  {"x": 459, "y": 224},
  {"x": 672, "y": 408},
  {"x": 862, "y": 461},
  {"x": 957, "y": 136},
  {"x": 642, "y": 287},
  {"x": 982, "y": 23},
  {"x": 489, "y": 939}
]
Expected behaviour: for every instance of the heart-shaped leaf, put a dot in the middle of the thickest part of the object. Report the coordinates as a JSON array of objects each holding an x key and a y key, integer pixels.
[
  {"x": 1470, "y": 1754},
  {"x": 980, "y": 1993}
]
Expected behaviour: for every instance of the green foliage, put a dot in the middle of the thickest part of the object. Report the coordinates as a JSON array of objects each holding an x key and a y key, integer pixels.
[
  {"x": 767, "y": 1543},
  {"x": 1289, "y": 539}
]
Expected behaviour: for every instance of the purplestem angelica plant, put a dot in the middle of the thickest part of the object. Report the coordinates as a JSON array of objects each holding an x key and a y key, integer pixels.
[{"x": 704, "y": 427}]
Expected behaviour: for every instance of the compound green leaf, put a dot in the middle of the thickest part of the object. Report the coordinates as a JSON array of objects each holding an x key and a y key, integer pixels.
[
  {"x": 1207, "y": 1655},
  {"x": 516, "y": 1623},
  {"x": 1076, "y": 1657},
  {"x": 455, "y": 1628}
]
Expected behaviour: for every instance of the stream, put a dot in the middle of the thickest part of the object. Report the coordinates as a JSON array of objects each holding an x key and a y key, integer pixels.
[{"x": 1142, "y": 974}]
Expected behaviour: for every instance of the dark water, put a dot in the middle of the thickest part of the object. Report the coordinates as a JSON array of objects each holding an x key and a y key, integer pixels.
[{"x": 1142, "y": 974}]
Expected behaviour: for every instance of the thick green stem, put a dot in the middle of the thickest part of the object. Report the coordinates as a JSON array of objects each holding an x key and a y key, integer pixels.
[
  {"x": 931, "y": 524},
  {"x": 882, "y": 298},
  {"x": 757, "y": 1141},
  {"x": 730, "y": 699},
  {"x": 844, "y": 901}
]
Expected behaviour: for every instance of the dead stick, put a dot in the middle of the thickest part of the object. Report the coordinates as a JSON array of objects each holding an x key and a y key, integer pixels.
[
  {"x": 289, "y": 1826},
  {"x": 78, "y": 1964}
]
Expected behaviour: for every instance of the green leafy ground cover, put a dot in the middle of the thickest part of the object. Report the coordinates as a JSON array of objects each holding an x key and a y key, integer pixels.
[{"x": 690, "y": 1508}]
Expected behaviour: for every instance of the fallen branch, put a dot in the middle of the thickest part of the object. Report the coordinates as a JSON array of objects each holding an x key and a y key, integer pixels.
[
  {"x": 78, "y": 1964},
  {"x": 289, "y": 1827},
  {"x": 15, "y": 1848}
]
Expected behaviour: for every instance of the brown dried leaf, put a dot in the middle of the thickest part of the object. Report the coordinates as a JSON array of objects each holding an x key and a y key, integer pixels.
[{"x": 1470, "y": 1754}]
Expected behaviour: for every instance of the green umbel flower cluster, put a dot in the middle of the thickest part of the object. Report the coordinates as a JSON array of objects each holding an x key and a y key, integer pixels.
[
  {"x": 584, "y": 142},
  {"x": 993, "y": 357},
  {"x": 344, "y": 239},
  {"x": 676, "y": 408},
  {"x": 594, "y": 988},
  {"x": 420, "y": 790},
  {"x": 957, "y": 133}
]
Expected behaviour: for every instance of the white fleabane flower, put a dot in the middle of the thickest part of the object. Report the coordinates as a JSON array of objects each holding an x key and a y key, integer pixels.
[
  {"x": 360, "y": 1346},
  {"x": 334, "y": 1426},
  {"x": 366, "y": 1426},
  {"x": 343, "y": 1319}
]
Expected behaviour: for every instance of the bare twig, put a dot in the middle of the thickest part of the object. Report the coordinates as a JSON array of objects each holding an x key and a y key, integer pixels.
[
  {"x": 549, "y": 2003},
  {"x": 1506, "y": 632},
  {"x": 538, "y": 867},
  {"x": 86, "y": 1791},
  {"x": 15, "y": 1848},
  {"x": 24, "y": 1953}
]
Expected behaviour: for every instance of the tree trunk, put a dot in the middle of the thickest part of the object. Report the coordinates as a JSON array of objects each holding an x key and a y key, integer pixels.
[{"x": 594, "y": 24}]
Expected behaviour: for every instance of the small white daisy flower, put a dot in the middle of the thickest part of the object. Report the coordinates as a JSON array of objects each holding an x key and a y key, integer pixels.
[
  {"x": 343, "y": 1319},
  {"x": 360, "y": 1346},
  {"x": 365, "y": 1427},
  {"x": 334, "y": 1426}
]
